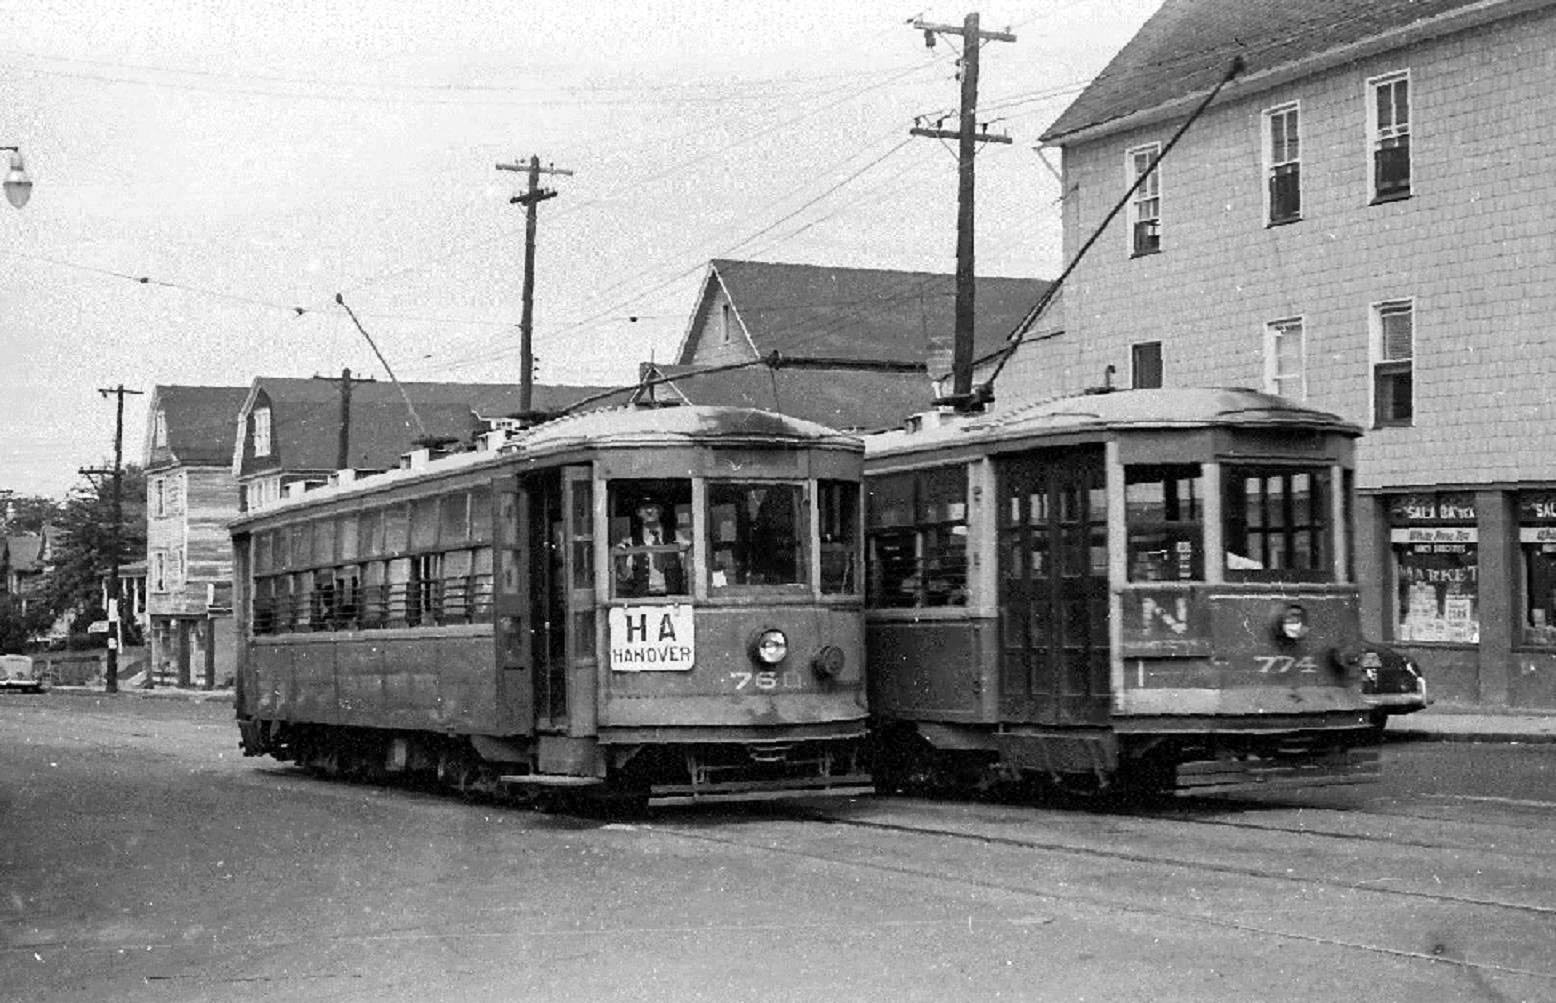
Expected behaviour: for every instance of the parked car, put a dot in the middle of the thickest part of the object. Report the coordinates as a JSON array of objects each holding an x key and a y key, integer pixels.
[
  {"x": 1392, "y": 683},
  {"x": 19, "y": 672}
]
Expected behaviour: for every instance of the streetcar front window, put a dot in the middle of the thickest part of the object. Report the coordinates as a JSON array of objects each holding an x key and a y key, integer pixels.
[
  {"x": 650, "y": 537},
  {"x": 755, "y": 534},
  {"x": 1164, "y": 512},
  {"x": 1277, "y": 523}
]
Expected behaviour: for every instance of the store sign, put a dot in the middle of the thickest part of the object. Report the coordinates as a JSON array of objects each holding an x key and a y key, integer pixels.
[
  {"x": 1537, "y": 534},
  {"x": 1454, "y": 507},
  {"x": 1434, "y": 534},
  {"x": 652, "y": 638},
  {"x": 1536, "y": 508}
]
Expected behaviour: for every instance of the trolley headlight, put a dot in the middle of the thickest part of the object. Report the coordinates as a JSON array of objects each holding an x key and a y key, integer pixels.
[
  {"x": 1292, "y": 625},
  {"x": 769, "y": 647}
]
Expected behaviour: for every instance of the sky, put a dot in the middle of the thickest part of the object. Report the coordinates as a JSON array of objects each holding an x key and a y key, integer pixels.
[{"x": 210, "y": 175}]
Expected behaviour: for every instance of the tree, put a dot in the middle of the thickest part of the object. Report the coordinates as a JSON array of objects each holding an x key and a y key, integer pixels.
[
  {"x": 26, "y": 513},
  {"x": 18, "y": 626},
  {"x": 83, "y": 551}
]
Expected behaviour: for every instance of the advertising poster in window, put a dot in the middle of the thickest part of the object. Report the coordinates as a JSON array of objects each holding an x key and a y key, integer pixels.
[{"x": 1436, "y": 567}]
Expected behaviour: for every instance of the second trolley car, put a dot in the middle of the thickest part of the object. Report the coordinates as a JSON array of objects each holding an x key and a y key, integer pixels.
[
  {"x": 647, "y": 602},
  {"x": 1146, "y": 588}
]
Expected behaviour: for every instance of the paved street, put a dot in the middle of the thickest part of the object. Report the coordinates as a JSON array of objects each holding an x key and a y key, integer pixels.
[{"x": 142, "y": 858}]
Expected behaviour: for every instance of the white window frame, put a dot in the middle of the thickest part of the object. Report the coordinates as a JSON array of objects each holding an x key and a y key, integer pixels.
[
  {"x": 262, "y": 432},
  {"x": 1145, "y": 204},
  {"x": 1379, "y": 358},
  {"x": 1285, "y": 153},
  {"x": 1377, "y": 133},
  {"x": 726, "y": 323},
  {"x": 159, "y": 497},
  {"x": 159, "y": 428},
  {"x": 158, "y": 581},
  {"x": 1275, "y": 332}
]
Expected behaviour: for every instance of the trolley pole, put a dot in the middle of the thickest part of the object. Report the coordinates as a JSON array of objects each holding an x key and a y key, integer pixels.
[
  {"x": 967, "y": 135},
  {"x": 529, "y": 199},
  {"x": 116, "y": 631}
]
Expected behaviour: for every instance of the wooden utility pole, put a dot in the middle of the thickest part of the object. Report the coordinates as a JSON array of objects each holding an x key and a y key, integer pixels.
[
  {"x": 967, "y": 135},
  {"x": 116, "y": 632},
  {"x": 530, "y": 199},
  {"x": 343, "y": 446}
]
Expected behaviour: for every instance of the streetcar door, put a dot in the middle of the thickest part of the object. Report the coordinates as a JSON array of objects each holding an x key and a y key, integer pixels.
[
  {"x": 548, "y": 598},
  {"x": 1053, "y": 594},
  {"x": 511, "y": 607}
]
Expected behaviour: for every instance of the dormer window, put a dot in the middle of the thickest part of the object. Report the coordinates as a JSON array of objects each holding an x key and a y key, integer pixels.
[{"x": 262, "y": 432}]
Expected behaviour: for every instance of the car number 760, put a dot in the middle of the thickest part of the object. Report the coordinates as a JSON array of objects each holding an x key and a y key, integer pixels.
[{"x": 767, "y": 679}]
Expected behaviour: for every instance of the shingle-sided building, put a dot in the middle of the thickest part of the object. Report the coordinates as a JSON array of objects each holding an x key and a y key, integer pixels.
[
  {"x": 862, "y": 348},
  {"x": 190, "y": 495},
  {"x": 1358, "y": 221}
]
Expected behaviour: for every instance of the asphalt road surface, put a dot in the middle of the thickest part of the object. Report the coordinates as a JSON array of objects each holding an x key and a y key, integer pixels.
[{"x": 142, "y": 858}]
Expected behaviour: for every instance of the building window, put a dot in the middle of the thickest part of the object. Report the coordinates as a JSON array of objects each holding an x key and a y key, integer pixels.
[
  {"x": 726, "y": 324},
  {"x": 1285, "y": 359},
  {"x": 1283, "y": 165},
  {"x": 262, "y": 432},
  {"x": 1145, "y": 365},
  {"x": 1537, "y": 539},
  {"x": 1145, "y": 205},
  {"x": 159, "y": 429},
  {"x": 1436, "y": 568},
  {"x": 916, "y": 535},
  {"x": 1388, "y": 129},
  {"x": 1393, "y": 366},
  {"x": 159, "y": 497},
  {"x": 159, "y": 571}
]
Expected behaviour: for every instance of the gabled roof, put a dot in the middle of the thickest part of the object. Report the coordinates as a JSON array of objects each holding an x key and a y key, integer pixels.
[
  {"x": 850, "y": 400},
  {"x": 26, "y": 552},
  {"x": 305, "y": 416},
  {"x": 820, "y": 311},
  {"x": 199, "y": 422},
  {"x": 1187, "y": 46}
]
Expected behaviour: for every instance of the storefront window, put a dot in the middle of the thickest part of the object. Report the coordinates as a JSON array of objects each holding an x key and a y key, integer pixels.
[
  {"x": 1537, "y": 539},
  {"x": 1436, "y": 567}
]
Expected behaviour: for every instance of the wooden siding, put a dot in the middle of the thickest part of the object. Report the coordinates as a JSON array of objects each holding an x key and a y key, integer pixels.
[{"x": 197, "y": 526}]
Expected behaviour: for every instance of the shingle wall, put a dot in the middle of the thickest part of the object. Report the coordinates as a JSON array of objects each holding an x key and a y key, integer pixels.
[{"x": 1473, "y": 246}]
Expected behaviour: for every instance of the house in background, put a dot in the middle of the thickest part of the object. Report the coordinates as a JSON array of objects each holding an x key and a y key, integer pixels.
[
  {"x": 859, "y": 349},
  {"x": 1359, "y": 221},
  {"x": 302, "y": 431},
  {"x": 190, "y": 496}
]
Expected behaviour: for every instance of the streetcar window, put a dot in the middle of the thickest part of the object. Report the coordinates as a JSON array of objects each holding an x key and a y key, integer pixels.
[
  {"x": 755, "y": 533},
  {"x": 1164, "y": 514},
  {"x": 916, "y": 533},
  {"x": 838, "y": 505},
  {"x": 650, "y": 537},
  {"x": 1276, "y": 523}
]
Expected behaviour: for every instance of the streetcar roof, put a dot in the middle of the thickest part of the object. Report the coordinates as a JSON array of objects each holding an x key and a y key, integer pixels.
[
  {"x": 630, "y": 427},
  {"x": 683, "y": 425},
  {"x": 1193, "y": 407}
]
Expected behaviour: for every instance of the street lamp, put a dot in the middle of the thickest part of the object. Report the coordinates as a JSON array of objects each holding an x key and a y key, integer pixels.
[{"x": 18, "y": 186}]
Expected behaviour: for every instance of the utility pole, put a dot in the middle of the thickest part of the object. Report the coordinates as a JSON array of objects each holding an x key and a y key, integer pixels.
[
  {"x": 967, "y": 135},
  {"x": 116, "y": 632},
  {"x": 343, "y": 447},
  {"x": 530, "y": 199}
]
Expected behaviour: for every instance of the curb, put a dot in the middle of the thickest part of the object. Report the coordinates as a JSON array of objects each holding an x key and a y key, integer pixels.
[{"x": 158, "y": 693}]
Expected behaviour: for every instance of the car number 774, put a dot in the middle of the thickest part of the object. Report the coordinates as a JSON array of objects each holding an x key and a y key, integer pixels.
[{"x": 1280, "y": 665}]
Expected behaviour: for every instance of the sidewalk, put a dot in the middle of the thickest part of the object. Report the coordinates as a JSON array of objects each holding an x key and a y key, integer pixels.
[{"x": 1472, "y": 723}]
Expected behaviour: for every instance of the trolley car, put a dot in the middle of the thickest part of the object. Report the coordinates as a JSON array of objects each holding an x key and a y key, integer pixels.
[
  {"x": 1141, "y": 588},
  {"x": 643, "y": 603}
]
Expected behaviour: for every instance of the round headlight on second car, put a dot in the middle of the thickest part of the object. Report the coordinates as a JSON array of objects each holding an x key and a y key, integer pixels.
[
  {"x": 770, "y": 647},
  {"x": 1292, "y": 625}
]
